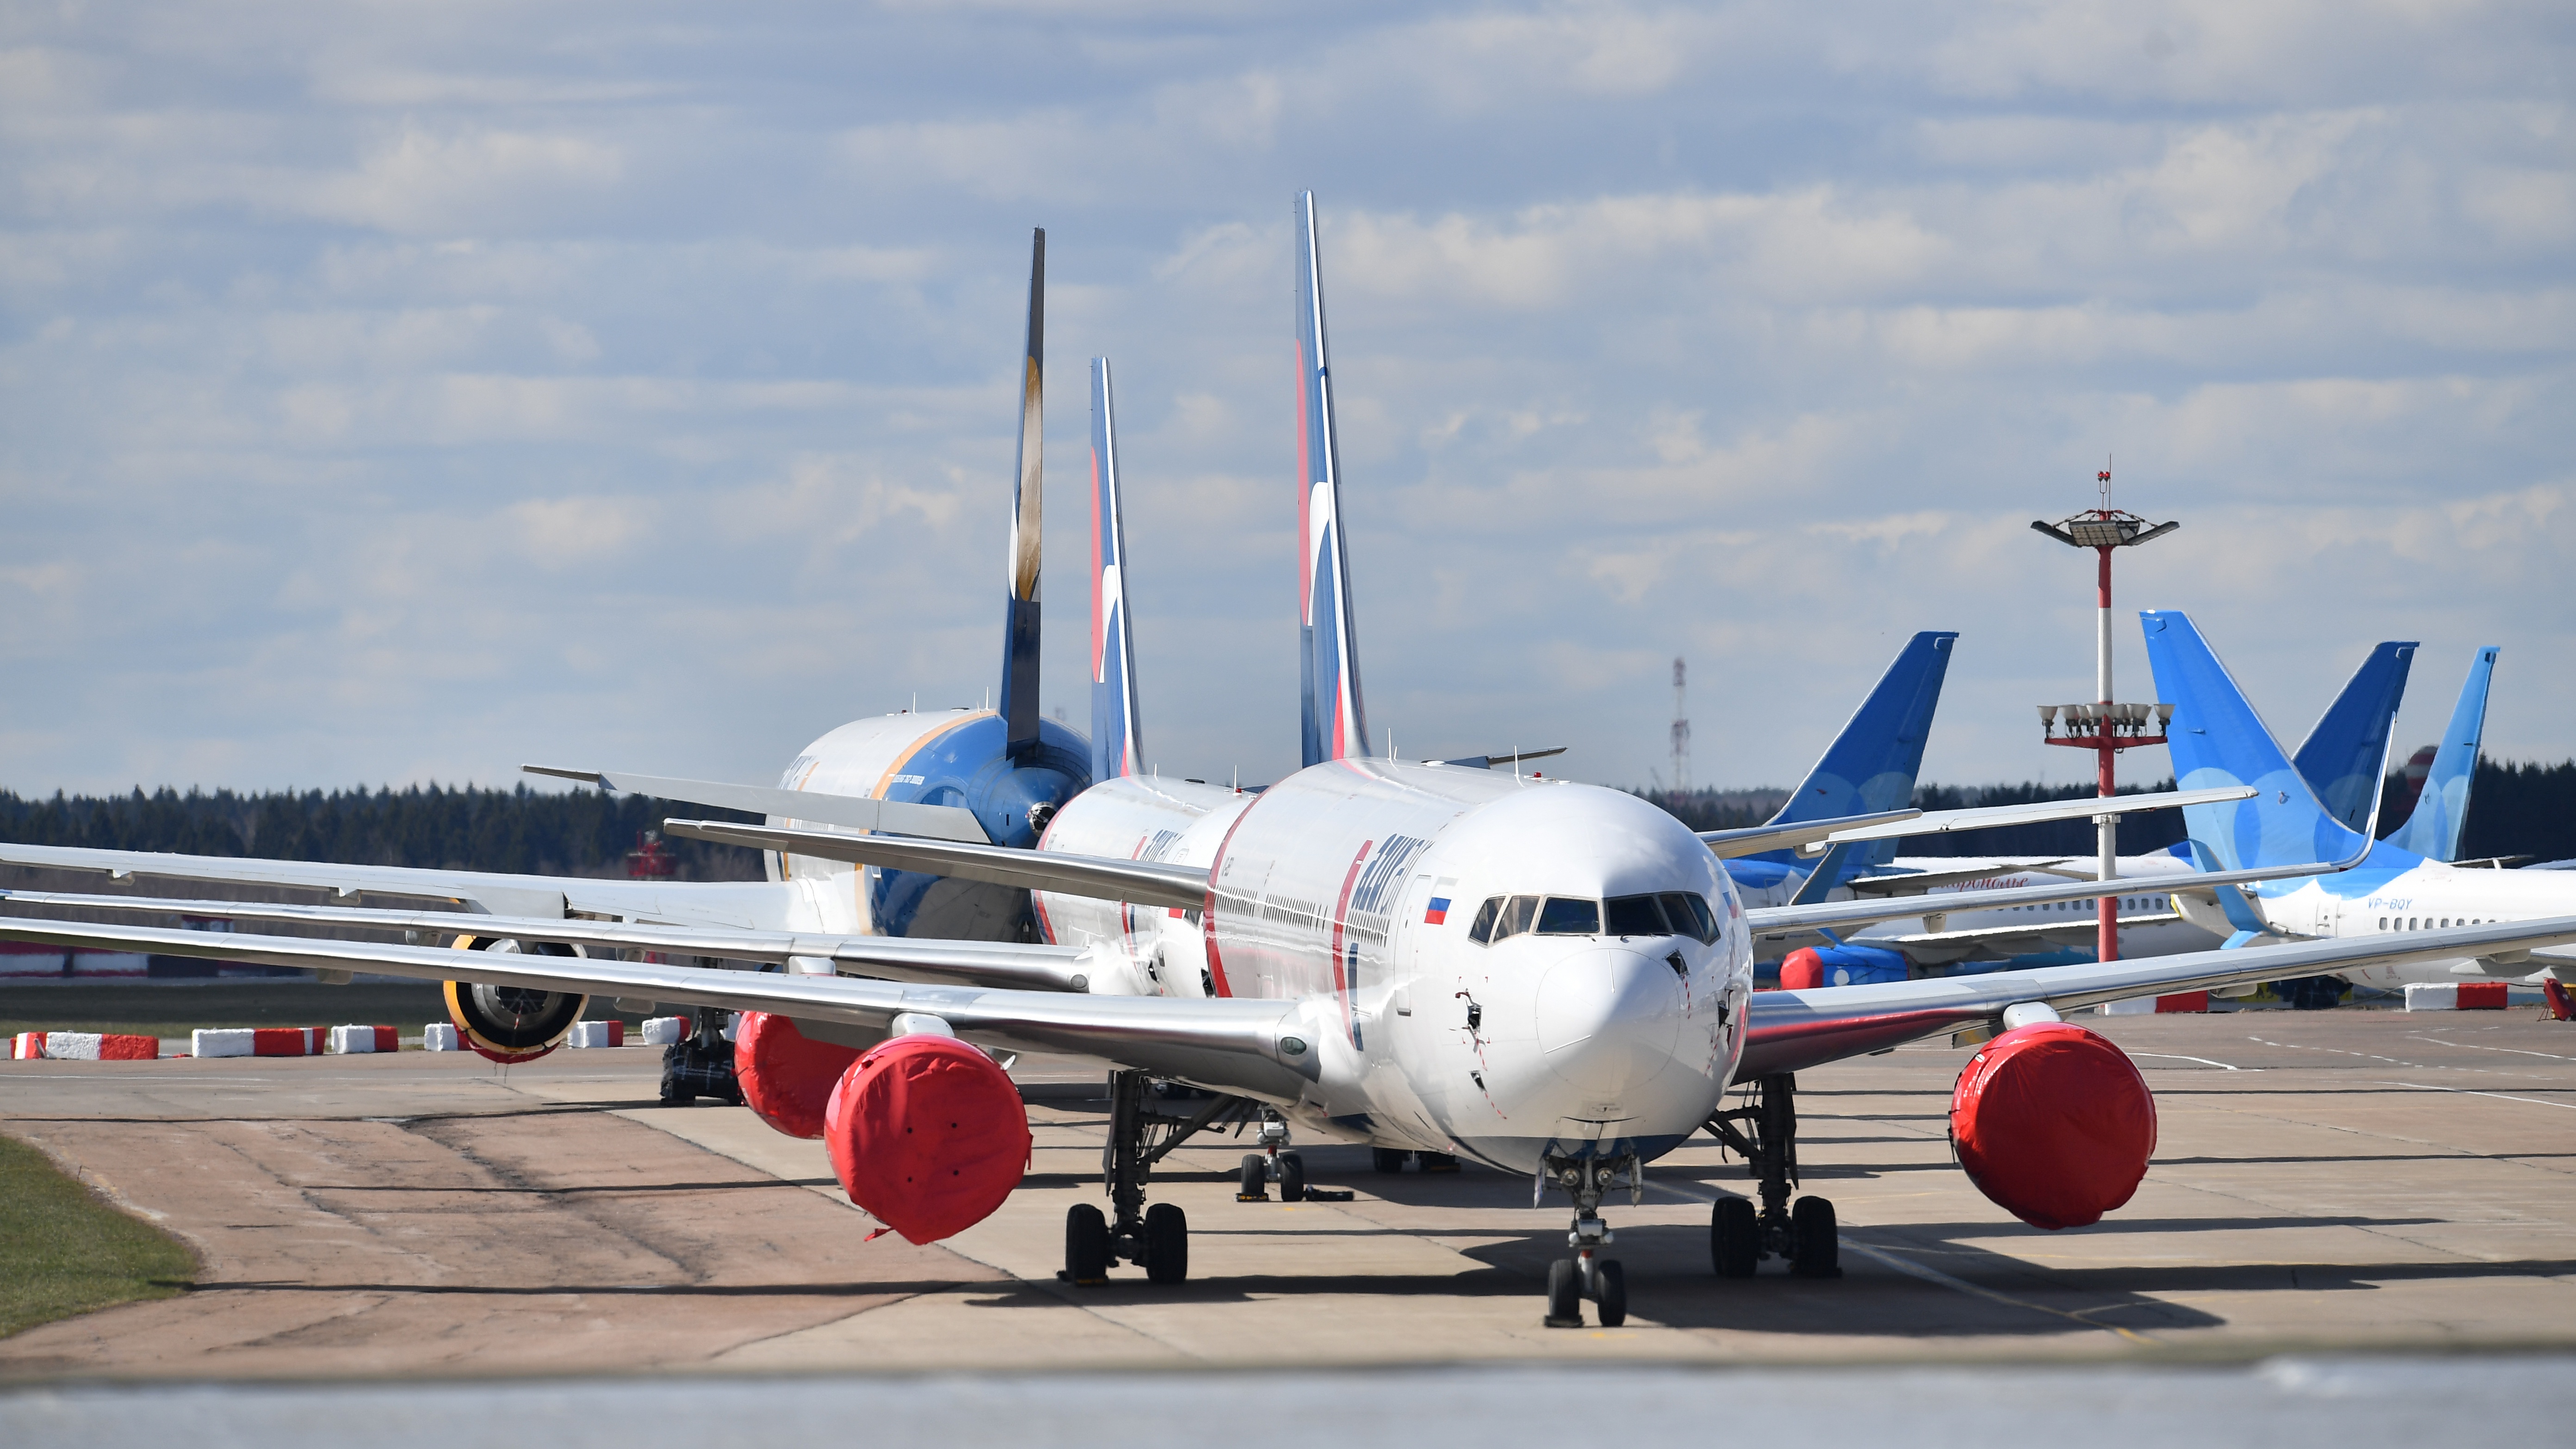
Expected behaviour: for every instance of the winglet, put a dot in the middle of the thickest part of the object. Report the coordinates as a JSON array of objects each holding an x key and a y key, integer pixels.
[
  {"x": 1018, "y": 702},
  {"x": 1116, "y": 747},
  {"x": 2342, "y": 756},
  {"x": 2433, "y": 829},
  {"x": 1335, "y": 724}
]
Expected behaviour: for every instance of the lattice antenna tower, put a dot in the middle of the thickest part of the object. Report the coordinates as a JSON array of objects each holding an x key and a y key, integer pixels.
[{"x": 1681, "y": 735}]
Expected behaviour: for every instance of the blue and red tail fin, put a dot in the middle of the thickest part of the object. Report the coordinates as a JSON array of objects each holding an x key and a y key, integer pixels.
[
  {"x": 1018, "y": 701},
  {"x": 2216, "y": 739},
  {"x": 2342, "y": 757},
  {"x": 1116, "y": 747},
  {"x": 2433, "y": 829},
  {"x": 1871, "y": 765},
  {"x": 1335, "y": 722}
]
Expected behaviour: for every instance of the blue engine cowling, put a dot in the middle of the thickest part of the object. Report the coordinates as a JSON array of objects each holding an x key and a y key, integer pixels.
[{"x": 1815, "y": 966}]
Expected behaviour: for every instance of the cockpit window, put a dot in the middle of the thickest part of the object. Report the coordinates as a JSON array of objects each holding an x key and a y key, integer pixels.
[
  {"x": 1569, "y": 916},
  {"x": 1639, "y": 916},
  {"x": 1691, "y": 915},
  {"x": 1517, "y": 916},
  {"x": 1486, "y": 915}
]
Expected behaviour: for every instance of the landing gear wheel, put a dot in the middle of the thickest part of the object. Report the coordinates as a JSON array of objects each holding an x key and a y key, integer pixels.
[
  {"x": 1292, "y": 1177},
  {"x": 1814, "y": 1251},
  {"x": 1735, "y": 1237},
  {"x": 1564, "y": 1295},
  {"x": 1387, "y": 1159},
  {"x": 1255, "y": 1186},
  {"x": 1438, "y": 1161},
  {"x": 1613, "y": 1294},
  {"x": 1086, "y": 1244},
  {"x": 1167, "y": 1244}
]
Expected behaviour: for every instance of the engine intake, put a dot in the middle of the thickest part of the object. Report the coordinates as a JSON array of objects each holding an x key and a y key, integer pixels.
[
  {"x": 2054, "y": 1124},
  {"x": 927, "y": 1134}
]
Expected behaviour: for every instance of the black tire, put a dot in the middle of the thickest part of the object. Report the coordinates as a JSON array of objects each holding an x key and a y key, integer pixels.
[
  {"x": 1388, "y": 1159},
  {"x": 1564, "y": 1294},
  {"x": 1167, "y": 1244},
  {"x": 1256, "y": 1177},
  {"x": 1292, "y": 1177},
  {"x": 1613, "y": 1298},
  {"x": 1815, "y": 1252},
  {"x": 1438, "y": 1161},
  {"x": 1086, "y": 1244},
  {"x": 1734, "y": 1237}
]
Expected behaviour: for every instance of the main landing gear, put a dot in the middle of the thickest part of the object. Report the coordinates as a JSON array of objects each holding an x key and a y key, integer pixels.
[
  {"x": 1765, "y": 1133},
  {"x": 1587, "y": 1274},
  {"x": 700, "y": 1065},
  {"x": 1280, "y": 1163},
  {"x": 1155, "y": 1238}
]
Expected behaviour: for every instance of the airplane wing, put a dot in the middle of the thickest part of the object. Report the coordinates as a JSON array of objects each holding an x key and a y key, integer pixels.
[
  {"x": 744, "y": 905},
  {"x": 896, "y": 958},
  {"x": 1915, "y": 883},
  {"x": 859, "y": 812},
  {"x": 1813, "y": 837},
  {"x": 1789, "y": 1031},
  {"x": 1144, "y": 882},
  {"x": 1263, "y": 1048},
  {"x": 1257, "y": 1048},
  {"x": 1769, "y": 920},
  {"x": 2073, "y": 930}
]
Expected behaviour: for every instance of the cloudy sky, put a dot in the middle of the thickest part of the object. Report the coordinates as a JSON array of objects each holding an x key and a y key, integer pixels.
[{"x": 393, "y": 392}]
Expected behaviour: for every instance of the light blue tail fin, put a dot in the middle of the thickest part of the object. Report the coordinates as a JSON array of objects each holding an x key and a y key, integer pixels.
[
  {"x": 1871, "y": 765},
  {"x": 2433, "y": 830},
  {"x": 1335, "y": 718},
  {"x": 1116, "y": 745},
  {"x": 2216, "y": 739},
  {"x": 2342, "y": 757},
  {"x": 1018, "y": 701}
]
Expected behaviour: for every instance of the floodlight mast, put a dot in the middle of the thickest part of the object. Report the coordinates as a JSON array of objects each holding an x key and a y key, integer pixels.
[{"x": 2110, "y": 727}]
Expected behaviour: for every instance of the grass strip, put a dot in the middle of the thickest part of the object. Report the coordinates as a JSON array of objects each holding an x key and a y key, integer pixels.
[{"x": 65, "y": 1250}]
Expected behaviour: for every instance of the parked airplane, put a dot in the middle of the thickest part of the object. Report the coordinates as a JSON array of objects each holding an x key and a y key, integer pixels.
[{"x": 1553, "y": 979}]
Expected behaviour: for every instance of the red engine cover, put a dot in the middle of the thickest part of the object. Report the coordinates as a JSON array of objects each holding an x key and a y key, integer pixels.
[
  {"x": 1800, "y": 970},
  {"x": 928, "y": 1135},
  {"x": 786, "y": 1076},
  {"x": 2054, "y": 1124}
]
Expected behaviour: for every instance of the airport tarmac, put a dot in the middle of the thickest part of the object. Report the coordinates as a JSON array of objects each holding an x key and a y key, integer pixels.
[{"x": 2324, "y": 1183}]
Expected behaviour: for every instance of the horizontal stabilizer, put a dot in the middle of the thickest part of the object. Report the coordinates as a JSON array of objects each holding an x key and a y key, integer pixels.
[
  {"x": 1812, "y": 837},
  {"x": 856, "y": 812},
  {"x": 1142, "y": 882}
]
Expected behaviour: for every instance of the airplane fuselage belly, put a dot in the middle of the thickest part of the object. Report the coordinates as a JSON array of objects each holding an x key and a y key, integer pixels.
[
  {"x": 1323, "y": 892},
  {"x": 947, "y": 757}
]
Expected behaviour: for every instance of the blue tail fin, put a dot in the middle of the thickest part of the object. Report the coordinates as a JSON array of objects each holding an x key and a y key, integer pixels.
[
  {"x": 1018, "y": 701},
  {"x": 1871, "y": 765},
  {"x": 2433, "y": 830},
  {"x": 1335, "y": 722},
  {"x": 1116, "y": 747},
  {"x": 2216, "y": 739},
  {"x": 2342, "y": 757}
]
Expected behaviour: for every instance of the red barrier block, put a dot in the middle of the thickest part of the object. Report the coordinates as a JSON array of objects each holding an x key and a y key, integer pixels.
[{"x": 2482, "y": 996}]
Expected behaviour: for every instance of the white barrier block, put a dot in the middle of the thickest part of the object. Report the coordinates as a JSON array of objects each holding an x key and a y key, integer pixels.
[
  {"x": 440, "y": 1036},
  {"x": 2433, "y": 996},
  {"x": 2134, "y": 1006},
  {"x": 72, "y": 1046},
  {"x": 597, "y": 1034},
  {"x": 364, "y": 1039},
  {"x": 223, "y": 1041},
  {"x": 664, "y": 1030}
]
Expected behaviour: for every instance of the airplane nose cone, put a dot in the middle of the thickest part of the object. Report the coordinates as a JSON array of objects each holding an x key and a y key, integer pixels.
[{"x": 1608, "y": 1020}]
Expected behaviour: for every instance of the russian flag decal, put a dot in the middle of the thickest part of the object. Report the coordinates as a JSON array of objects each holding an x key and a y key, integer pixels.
[{"x": 1438, "y": 915}]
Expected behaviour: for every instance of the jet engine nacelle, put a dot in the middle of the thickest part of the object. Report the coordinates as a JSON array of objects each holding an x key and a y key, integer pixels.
[
  {"x": 786, "y": 1076},
  {"x": 512, "y": 1023},
  {"x": 1840, "y": 966},
  {"x": 2054, "y": 1124},
  {"x": 927, "y": 1134}
]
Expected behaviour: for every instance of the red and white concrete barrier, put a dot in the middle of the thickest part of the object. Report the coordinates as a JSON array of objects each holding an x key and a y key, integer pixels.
[
  {"x": 84, "y": 1046},
  {"x": 440, "y": 1036},
  {"x": 610, "y": 1033},
  {"x": 259, "y": 1041},
  {"x": 346, "y": 1039},
  {"x": 2456, "y": 996}
]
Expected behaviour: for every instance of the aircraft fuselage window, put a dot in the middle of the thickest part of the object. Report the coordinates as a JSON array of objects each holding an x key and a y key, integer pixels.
[{"x": 1569, "y": 916}]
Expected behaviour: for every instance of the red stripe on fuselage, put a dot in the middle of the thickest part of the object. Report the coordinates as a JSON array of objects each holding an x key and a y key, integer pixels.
[{"x": 1341, "y": 908}]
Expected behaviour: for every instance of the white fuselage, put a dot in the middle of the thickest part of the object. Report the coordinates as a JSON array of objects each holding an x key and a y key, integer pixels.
[
  {"x": 2395, "y": 890},
  {"x": 1566, "y": 1044},
  {"x": 2149, "y": 923}
]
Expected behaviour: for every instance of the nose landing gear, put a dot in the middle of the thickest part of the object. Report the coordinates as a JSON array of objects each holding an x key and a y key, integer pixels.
[
  {"x": 1765, "y": 1133},
  {"x": 1156, "y": 1239},
  {"x": 1588, "y": 1274}
]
